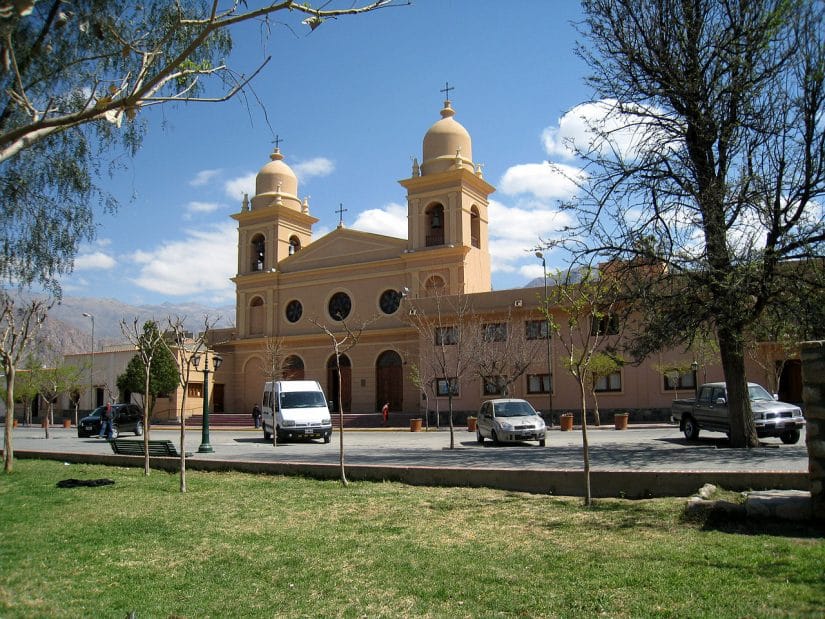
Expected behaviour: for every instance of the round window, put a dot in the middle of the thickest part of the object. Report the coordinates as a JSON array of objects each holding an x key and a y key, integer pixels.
[
  {"x": 390, "y": 300},
  {"x": 339, "y": 306},
  {"x": 294, "y": 309}
]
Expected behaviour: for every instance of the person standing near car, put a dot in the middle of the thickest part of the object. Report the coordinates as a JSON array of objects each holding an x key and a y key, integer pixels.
[
  {"x": 106, "y": 422},
  {"x": 256, "y": 415}
]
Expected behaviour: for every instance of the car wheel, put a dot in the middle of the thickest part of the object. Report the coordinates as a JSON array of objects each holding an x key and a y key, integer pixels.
[
  {"x": 267, "y": 433},
  {"x": 479, "y": 438},
  {"x": 327, "y": 438},
  {"x": 494, "y": 437},
  {"x": 542, "y": 443},
  {"x": 691, "y": 430},
  {"x": 115, "y": 433},
  {"x": 139, "y": 429},
  {"x": 790, "y": 437}
]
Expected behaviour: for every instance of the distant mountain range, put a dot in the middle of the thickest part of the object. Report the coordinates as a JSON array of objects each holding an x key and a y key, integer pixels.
[{"x": 68, "y": 331}]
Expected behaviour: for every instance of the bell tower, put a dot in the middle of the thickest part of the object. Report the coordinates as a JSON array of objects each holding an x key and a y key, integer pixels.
[{"x": 447, "y": 213}]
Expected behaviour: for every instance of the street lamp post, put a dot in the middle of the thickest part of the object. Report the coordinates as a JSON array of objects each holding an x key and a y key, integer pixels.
[
  {"x": 205, "y": 446},
  {"x": 540, "y": 256},
  {"x": 695, "y": 367},
  {"x": 92, "y": 368}
]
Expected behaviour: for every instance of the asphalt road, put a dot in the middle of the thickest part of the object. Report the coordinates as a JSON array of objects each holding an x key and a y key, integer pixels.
[{"x": 638, "y": 448}]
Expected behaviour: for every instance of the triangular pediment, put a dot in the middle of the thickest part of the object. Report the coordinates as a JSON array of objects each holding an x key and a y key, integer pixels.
[{"x": 342, "y": 247}]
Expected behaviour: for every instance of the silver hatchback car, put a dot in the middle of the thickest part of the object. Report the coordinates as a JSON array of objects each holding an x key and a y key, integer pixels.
[{"x": 509, "y": 420}]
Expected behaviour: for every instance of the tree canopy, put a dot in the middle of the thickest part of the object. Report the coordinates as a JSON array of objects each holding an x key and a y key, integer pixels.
[
  {"x": 76, "y": 76},
  {"x": 704, "y": 175}
]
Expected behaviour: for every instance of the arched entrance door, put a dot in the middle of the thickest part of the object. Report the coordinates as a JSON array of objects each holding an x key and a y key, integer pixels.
[
  {"x": 389, "y": 381},
  {"x": 342, "y": 386}
]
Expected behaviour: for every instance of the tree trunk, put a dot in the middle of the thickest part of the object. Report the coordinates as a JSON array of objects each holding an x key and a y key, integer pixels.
[
  {"x": 8, "y": 448},
  {"x": 450, "y": 402},
  {"x": 742, "y": 428},
  {"x": 182, "y": 447},
  {"x": 585, "y": 446}
]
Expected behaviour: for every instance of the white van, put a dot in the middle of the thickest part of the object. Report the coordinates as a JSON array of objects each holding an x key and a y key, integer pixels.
[{"x": 295, "y": 409}]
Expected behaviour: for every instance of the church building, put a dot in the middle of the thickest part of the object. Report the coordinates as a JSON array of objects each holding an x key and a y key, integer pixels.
[{"x": 290, "y": 287}]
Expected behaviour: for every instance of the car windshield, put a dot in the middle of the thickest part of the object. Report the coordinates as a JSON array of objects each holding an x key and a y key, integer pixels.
[
  {"x": 513, "y": 409},
  {"x": 97, "y": 412},
  {"x": 302, "y": 399},
  {"x": 757, "y": 393}
]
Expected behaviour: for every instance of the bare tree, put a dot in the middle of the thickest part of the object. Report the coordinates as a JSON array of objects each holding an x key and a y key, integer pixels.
[
  {"x": 708, "y": 160},
  {"x": 183, "y": 348},
  {"x": 343, "y": 340},
  {"x": 274, "y": 356},
  {"x": 504, "y": 353},
  {"x": 54, "y": 382},
  {"x": 587, "y": 304},
  {"x": 147, "y": 341},
  {"x": 448, "y": 340},
  {"x": 17, "y": 326}
]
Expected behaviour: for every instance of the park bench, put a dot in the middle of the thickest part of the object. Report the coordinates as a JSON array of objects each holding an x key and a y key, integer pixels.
[{"x": 132, "y": 447}]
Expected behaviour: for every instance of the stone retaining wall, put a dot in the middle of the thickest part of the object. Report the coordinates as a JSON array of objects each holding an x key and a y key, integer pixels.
[{"x": 813, "y": 394}]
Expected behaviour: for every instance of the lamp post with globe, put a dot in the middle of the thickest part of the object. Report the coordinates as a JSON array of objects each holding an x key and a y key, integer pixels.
[{"x": 205, "y": 446}]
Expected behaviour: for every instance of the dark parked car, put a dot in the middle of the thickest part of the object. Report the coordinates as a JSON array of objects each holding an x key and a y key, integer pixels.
[{"x": 125, "y": 418}]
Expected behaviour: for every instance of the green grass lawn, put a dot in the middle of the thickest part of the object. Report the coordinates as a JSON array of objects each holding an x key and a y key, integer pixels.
[{"x": 239, "y": 545}]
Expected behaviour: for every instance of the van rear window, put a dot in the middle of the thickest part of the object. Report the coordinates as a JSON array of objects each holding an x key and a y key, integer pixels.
[{"x": 302, "y": 399}]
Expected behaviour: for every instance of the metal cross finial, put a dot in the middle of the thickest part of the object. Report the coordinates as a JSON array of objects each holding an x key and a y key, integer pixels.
[
  {"x": 446, "y": 90},
  {"x": 277, "y": 141},
  {"x": 341, "y": 210}
]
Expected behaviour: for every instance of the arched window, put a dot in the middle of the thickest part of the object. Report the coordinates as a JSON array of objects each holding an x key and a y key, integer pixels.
[
  {"x": 435, "y": 225},
  {"x": 257, "y": 315},
  {"x": 258, "y": 252},
  {"x": 293, "y": 368},
  {"x": 475, "y": 228},
  {"x": 294, "y": 245}
]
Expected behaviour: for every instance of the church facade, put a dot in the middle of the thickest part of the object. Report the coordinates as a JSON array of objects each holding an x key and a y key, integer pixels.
[{"x": 304, "y": 293}]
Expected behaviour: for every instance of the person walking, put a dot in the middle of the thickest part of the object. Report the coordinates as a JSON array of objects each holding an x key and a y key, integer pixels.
[
  {"x": 256, "y": 415},
  {"x": 385, "y": 413},
  {"x": 106, "y": 422}
]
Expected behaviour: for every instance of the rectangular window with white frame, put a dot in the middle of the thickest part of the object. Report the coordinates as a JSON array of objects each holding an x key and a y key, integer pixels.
[
  {"x": 495, "y": 332},
  {"x": 443, "y": 385},
  {"x": 446, "y": 336},
  {"x": 538, "y": 383},
  {"x": 493, "y": 385},
  {"x": 675, "y": 381},
  {"x": 535, "y": 329},
  {"x": 611, "y": 383}
]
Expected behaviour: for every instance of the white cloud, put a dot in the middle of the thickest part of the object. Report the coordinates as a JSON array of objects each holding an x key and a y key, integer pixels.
[
  {"x": 235, "y": 188},
  {"x": 202, "y": 207},
  {"x": 200, "y": 264},
  {"x": 319, "y": 166},
  {"x": 203, "y": 177},
  {"x": 543, "y": 180},
  {"x": 603, "y": 127},
  {"x": 94, "y": 260},
  {"x": 390, "y": 220},
  {"x": 516, "y": 230}
]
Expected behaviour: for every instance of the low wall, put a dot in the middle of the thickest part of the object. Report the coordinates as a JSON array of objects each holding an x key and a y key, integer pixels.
[
  {"x": 813, "y": 394},
  {"x": 564, "y": 482}
]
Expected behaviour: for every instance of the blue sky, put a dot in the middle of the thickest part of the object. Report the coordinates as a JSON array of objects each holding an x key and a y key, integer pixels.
[{"x": 351, "y": 103}]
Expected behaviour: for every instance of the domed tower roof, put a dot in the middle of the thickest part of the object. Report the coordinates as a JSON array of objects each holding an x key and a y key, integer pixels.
[
  {"x": 276, "y": 177},
  {"x": 447, "y": 145}
]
